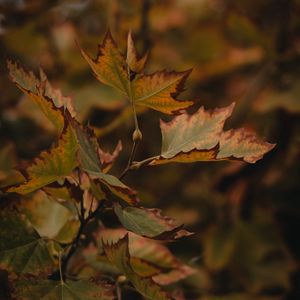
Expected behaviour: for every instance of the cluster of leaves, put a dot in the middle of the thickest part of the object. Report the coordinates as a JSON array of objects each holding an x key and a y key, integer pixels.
[{"x": 74, "y": 173}]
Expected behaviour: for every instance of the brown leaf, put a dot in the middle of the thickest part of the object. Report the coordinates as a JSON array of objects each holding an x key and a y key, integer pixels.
[
  {"x": 134, "y": 61},
  {"x": 109, "y": 66},
  {"x": 154, "y": 253},
  {"x": 200, "y": 137},
  {"x": 107, "y": 159},
  {"x": 50, "y": 100},
  {"x": 159, "y": 91},
  {"x": 118, "y": 254}
]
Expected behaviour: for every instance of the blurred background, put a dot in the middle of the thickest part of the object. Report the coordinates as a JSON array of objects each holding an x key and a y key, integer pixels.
[{"x": 246, "y": 217}]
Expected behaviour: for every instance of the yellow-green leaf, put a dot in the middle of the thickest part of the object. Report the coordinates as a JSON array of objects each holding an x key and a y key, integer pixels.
[
  {"x": 109, "y": 66},
  {"x": 22, "y": 250},
  {"x": 159, "y": 91},
  {"x": 200, "y": 137},
  {"x": 91, "y": 163},
  {"x": 147, "y": 256},
  {"x": 149, "y": 222},
  {"x": 51, "y": 165},
  {"x": 118, "y": 254}
]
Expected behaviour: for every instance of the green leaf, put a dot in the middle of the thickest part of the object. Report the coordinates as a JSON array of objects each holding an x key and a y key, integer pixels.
[
  {"x": 118, "y": 254},
  {"x": 109, "y": 66},
  {"x": 200, "y": 137},
  {"x": 51, "y": 165},
  {"x": 36, "y": 289},
  {"x": 90, "y": 162},
  {"x": 87, "y": 148},
  {"x": 22, "y": 250},
  {"x": 149, "y": 222}
]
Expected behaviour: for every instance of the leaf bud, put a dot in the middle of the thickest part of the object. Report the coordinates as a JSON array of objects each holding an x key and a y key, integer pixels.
[{"x": 137, "y": 135}]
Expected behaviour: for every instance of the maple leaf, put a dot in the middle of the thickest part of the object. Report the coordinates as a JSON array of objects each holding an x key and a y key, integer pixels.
[
  {"x": 22, "y": 250},
  {"x": 51, "y": 165},
  {"x": 200, "y": 137},
  {"x": 134, "y": 61},
  {"x": 110, "y": 65},
  {"x": 57, "y": 97},
  {"x": 149, "y": 223},
  {"x": 150, "y": 258},
  {"x": 51, "y": 101},
  {"x": 39, "y": 289},
  {"x": 91, "y": 163},
  {"x": 118, "y": 254},
  {"x": 157, "y": 91}
]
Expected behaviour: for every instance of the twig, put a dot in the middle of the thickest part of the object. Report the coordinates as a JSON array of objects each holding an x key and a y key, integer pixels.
[
  {"x": 119, "y": 293},
  {"x": 76, "y": 241},
  {"x": 130, "y": 160},
  {"x": 82, "y": 210},
  {"x": 138, "y": 164},
  {"x": 137, "y": 135},
  {"x": 60, "y": 269}
]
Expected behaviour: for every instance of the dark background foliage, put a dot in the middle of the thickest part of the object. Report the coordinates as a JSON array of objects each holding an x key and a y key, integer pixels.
[{"x": 246, "y": 217}]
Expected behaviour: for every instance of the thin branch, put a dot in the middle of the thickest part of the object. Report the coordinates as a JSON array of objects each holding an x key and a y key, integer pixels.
[
  {"x": 119, "y": 292},
  {"x": 76, "y": 241},
  {"x": 82, "y": 210},
  {"x": 137, "y": 135},
  {"x": 91, "y": 205},
  {"x": 136, "y": 123},
  {"x": 138, "y": 164},
  {"x": 130, "y": 160},
  {"x": 60, "y": 269}
]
